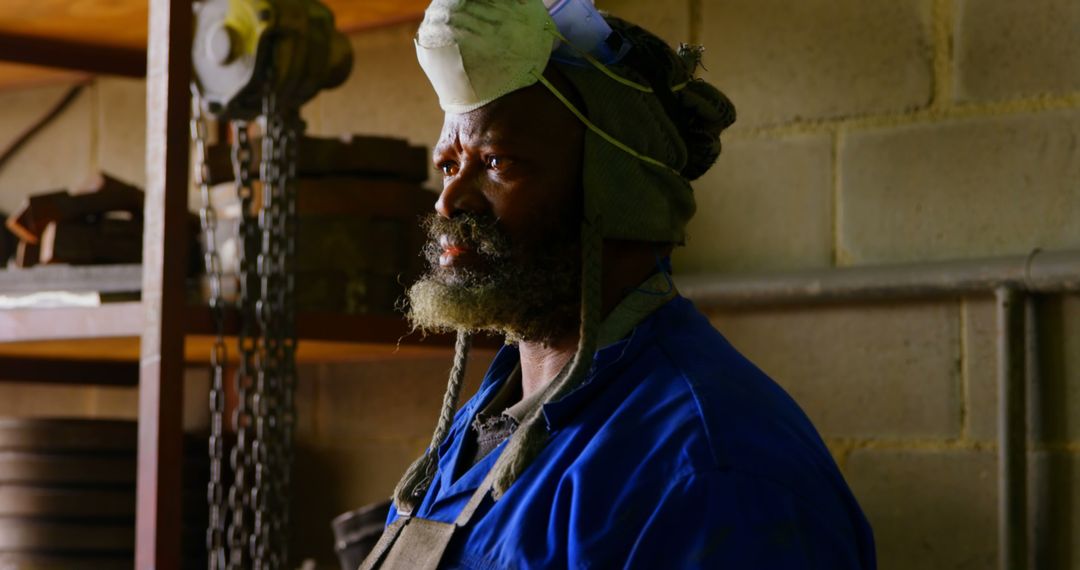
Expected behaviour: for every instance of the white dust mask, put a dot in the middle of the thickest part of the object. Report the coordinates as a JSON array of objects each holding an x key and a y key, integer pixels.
[{"x": 477, "y": 51}]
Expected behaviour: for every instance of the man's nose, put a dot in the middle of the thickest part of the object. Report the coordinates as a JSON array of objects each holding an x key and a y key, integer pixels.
[{"x": 462, "y": 193}]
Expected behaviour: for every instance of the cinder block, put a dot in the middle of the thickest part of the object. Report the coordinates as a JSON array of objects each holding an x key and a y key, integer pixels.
[
  {"x": 1057, "y": 398},
  {"x": 966, "y": 188},
  {"x": 1009, "y": 49},
  {"x": 395, "y": 400},
  {"x": 766, "y": 204},
  {"x": 860, "y": 371},
  {"x": 387, "y": 92},
  {"x": 670, "y": 20},
  {"x": 122, "y": 128},
  {"x": 932, "y": 510},
  {"x": 980, "y": 367},
  {"x": 60, "y": 156},
  {"x": 1055, "y": 504},
  {"x": 783, "y": 61}
]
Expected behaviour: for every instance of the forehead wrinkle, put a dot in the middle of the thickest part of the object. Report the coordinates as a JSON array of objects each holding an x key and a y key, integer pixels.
[
  {"x": 447, "y": 140},
  {"x": 478, "y": 131}
]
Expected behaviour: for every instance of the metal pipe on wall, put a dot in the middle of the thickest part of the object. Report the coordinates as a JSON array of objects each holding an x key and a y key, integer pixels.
[
  {"x": 1039, "y": 272},
  {"x": 1036, "y": 540},
  {"x": 1012, "y": 429}
]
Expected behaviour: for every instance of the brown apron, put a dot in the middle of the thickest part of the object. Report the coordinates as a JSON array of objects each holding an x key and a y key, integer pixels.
[{"x": 413, "y": 543}]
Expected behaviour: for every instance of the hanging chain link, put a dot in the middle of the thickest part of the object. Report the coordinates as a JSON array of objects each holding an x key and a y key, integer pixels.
[
  {"x": 256, "y": 535},
  {"x": 215, "y": 492},
  {"x": 240, "y": 458},
  {"x": 287, "y": 418},
  {"x": 267, "y": 314}
]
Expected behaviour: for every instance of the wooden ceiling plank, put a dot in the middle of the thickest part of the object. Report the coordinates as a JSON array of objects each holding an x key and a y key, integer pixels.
[
  {"x": 73, "y": 55},
  {"x": 109, "y": 36}
]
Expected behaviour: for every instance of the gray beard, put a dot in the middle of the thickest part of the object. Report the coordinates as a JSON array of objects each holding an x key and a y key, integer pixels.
[{"x": 524, "y": 294}]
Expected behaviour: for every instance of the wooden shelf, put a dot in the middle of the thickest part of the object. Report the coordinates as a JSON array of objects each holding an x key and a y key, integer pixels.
[
  {"x": 111, "y": 332},
  {"x": 115, "y": 361},
  {"x": 100, "y": 345},
  {"x": 146, "y": 343},
  {"x": 125, "y": 320}
]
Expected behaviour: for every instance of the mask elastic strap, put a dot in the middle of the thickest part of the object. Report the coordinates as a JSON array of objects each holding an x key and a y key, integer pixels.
[
  {"x": 605, "y": 70},
  {"x": 592, "y": 127}
]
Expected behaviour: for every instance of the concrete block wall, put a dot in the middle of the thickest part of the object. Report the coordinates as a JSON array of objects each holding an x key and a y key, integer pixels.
[
  {"x": 891, "y": 132},
  {"x": 870, "y": 132}
]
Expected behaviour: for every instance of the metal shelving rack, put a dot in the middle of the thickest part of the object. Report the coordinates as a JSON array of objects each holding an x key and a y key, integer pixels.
[{"x": 143, "y": 342}]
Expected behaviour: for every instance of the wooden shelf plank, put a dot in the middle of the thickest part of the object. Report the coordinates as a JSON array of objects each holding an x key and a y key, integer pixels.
[
  {"x": 89, "y": 372},
  {"x": 73, "y": 55},
  {"x": 73, "y": 278},
  {"x": 123, "y": 23},
  {"x": 197, "y": 351},
  {"x": 111, "y": 332},
  {"x": 115, "y": 361},
  {"x": 110, "y": 36},
  {"x": 109, "y": 320}
]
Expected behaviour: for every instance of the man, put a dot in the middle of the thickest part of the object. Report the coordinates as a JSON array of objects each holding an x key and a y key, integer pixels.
[{"x": 617, "y": 428}]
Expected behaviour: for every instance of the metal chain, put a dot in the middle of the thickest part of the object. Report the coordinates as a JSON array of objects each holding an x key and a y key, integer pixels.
[
  {"x": 287, "y": 410},
  {"x": 266, "y": 356},
  {"x": 275, "y": 369},
  {"x": 241, "y": 458},
  {"x": 215, "y": 493},
  {"x": 256, "y": 535}
]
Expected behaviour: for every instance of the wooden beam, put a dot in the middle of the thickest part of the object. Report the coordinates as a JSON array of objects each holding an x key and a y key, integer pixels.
[
  {"x": 80, "y": 372},
  {"x": 161, "y": 359},
  {"x": 73, "y": 55}
]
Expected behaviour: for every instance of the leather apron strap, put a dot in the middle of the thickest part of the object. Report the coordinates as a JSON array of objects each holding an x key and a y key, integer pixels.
[
  {"x": 386, "y": 541},
  {"x": 419, "y": 544},
  {"x": 413, "y": 543}
]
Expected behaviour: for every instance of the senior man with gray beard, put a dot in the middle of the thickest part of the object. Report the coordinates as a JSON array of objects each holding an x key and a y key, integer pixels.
[{"x": 616, "y": 428}]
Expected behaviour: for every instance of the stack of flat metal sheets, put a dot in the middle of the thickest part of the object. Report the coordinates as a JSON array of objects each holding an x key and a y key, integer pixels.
[{"x": 67, "y": 495}]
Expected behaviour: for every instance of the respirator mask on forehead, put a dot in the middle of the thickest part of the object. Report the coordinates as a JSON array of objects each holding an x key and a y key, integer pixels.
[{"x": 475, "y": 52}]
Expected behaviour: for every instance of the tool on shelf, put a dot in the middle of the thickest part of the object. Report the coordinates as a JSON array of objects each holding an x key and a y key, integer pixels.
[
  {"x": 98, "y": 223},
  {"x": 256, "y": 62}
]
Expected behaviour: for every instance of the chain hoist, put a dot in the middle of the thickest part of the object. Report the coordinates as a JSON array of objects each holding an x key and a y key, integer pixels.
[{"x": 256, "y": 62}]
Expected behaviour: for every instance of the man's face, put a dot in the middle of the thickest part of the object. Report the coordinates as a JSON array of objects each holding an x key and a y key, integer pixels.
[{"x": 504, "y": 248}]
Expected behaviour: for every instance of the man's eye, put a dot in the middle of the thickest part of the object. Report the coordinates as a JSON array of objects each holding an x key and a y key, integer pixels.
[{"x": 448, "y": 168}]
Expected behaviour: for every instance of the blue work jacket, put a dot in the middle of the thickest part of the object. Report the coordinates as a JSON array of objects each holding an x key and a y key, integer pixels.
[{"x": 677, "y": 452}]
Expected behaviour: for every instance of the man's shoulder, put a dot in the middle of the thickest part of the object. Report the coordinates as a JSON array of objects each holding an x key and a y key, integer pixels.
[{"x": 748, "y": 421}]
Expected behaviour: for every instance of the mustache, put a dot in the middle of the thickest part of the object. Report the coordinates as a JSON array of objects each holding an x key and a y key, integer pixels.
[{"x": 479, "y": 233}]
